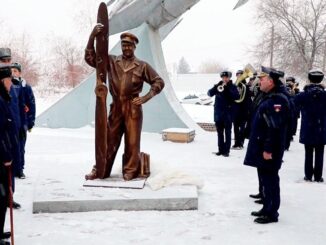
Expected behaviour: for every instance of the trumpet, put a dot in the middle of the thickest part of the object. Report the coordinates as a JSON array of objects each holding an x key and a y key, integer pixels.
[
  {"x": 248, "y": 72},
  {"x": 220, "y": 88}
]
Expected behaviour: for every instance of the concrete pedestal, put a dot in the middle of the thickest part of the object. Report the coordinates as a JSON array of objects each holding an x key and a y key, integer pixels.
[{"x": 66, "y": 193}]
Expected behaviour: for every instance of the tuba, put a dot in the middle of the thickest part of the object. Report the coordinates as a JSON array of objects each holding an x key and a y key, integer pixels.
[{"x": 247, "y": 72}]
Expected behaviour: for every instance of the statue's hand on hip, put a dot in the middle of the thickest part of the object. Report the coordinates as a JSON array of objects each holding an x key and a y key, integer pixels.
[{"x": 139, "y": 100}]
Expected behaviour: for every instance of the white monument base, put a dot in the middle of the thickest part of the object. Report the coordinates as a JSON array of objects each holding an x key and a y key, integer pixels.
[{"x": 66, "y": 193}]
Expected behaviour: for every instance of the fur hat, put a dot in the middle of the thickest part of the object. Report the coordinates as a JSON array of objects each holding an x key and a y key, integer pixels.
[{"x": 315, "y": 76}]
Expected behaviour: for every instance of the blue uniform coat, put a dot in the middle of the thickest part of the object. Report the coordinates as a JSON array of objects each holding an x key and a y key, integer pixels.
[
  {"x": 312, "y": 104},
  {"x": 7, "y": 141},
  {"x": 268, "y": 130},
  {"x": 224, "y": 107},
  {"x": 7, "y": 132},
  {"x": 28, "y": 120}
]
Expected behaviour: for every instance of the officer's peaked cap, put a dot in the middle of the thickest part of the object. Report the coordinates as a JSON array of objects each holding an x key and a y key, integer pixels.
[{"x": 273, "y": 73}]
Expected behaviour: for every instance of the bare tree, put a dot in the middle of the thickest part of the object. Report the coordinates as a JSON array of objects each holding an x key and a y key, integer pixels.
[
  {"x": 85, "y": 17},
  {"x": 63, "y": 61},
  {"x": 70, "y": 67},
  {"x": 21, "y": 52},
  {"x": 300, "y": 29},
  {"x": 210, "y": 66}
]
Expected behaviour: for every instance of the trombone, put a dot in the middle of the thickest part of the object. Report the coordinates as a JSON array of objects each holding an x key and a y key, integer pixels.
[{"x": 247, "y": 72}]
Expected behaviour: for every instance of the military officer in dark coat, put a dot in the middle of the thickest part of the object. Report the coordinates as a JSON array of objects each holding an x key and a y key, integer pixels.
[
  {"x": 225, "y": 93},
  {"x": 267, "y": 142},
  {"x": 292, "y": 90},
  {"x": 256, "y": 100},
  {"x": 312, "y": 104},
  {"x": 16, "y": 108},
  {"x": 292, "y": 85},
  {"x": 28, "y": 115},
  {"x": 7, "y": 133},
  {"x": 241, "y": 117}
]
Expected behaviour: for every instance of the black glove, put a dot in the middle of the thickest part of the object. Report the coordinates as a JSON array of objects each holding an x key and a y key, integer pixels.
[{"x": 22, "y": 134}]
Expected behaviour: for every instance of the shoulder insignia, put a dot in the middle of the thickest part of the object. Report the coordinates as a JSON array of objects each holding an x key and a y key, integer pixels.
[{"x": 277, "y": 107}]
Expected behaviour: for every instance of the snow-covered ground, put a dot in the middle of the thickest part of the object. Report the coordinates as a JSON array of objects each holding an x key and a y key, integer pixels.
[{"x": 224, "y": 206}]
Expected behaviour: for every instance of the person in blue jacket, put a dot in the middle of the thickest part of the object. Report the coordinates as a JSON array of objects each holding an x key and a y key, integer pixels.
[
  {"x": 312, "y": 104},
  {"x": 16, "y": 109},
  {"x": 7, "y": 140},
  {"x": 225, "y": 93},
  {"x": 267, "y": 142},
  {"x": 28, "y": 116}
]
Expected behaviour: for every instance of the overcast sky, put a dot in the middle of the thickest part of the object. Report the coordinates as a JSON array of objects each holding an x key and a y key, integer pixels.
[{"x": 210, "y": 30}]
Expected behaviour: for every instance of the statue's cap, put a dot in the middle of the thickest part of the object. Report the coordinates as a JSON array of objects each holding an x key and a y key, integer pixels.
[{"x": 129, "y": 37}]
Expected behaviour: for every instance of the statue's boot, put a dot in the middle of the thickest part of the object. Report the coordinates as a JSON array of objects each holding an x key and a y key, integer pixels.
[
  {"x": 92, "y": 175},
  {"x": 129, "y": 176}
]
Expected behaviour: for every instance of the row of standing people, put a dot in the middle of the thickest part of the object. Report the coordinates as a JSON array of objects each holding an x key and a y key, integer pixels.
[
  {"x": 267, "y": 116},
  {"x": 17, "y": 116},
  {"x": 240, "y": 112}
]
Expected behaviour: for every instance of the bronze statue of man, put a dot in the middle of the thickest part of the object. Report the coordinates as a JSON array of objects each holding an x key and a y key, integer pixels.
[{"x": 126, "y": 75}]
